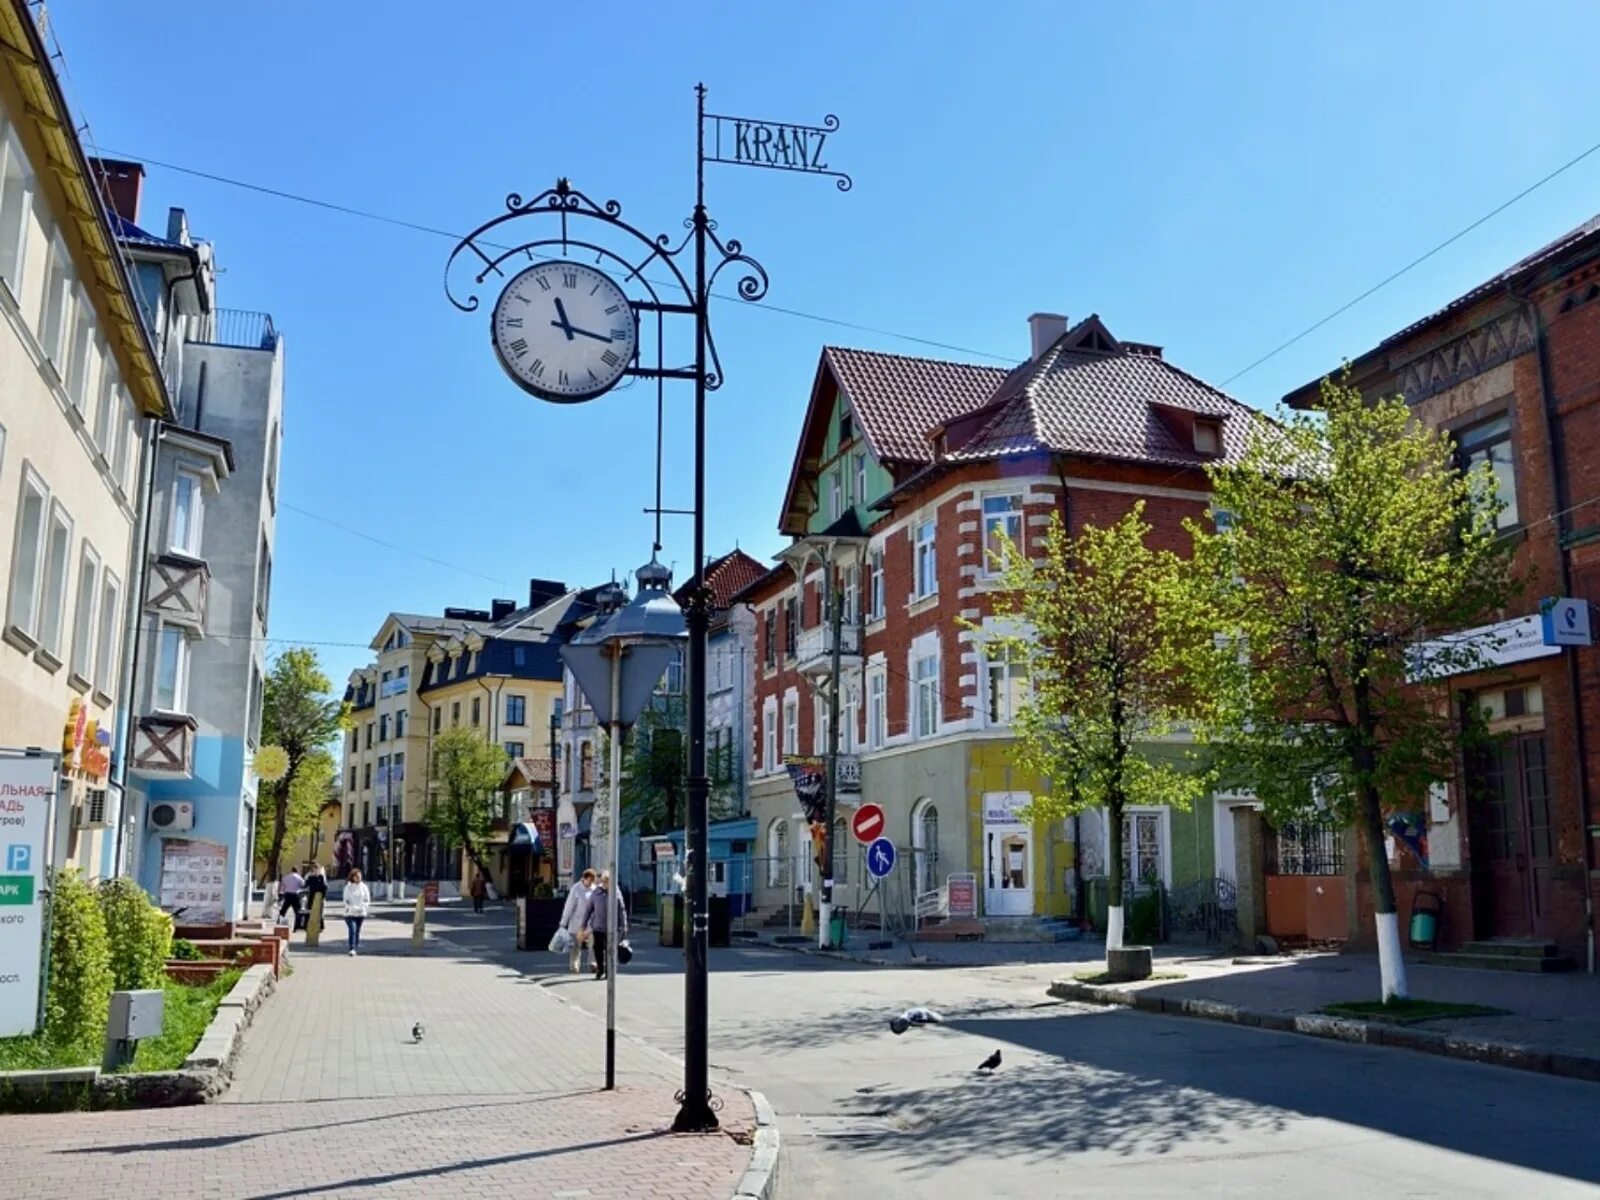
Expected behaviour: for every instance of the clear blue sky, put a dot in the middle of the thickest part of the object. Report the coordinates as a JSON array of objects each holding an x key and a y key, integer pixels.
[{"x": 1209, "y": 177}]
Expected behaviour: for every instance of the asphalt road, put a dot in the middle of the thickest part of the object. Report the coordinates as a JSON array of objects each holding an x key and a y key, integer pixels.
[{"x": 1087, "y": 1101}]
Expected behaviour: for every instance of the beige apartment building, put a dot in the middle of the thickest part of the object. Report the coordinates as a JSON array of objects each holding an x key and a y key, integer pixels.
[{"x": 78, "y": 380}]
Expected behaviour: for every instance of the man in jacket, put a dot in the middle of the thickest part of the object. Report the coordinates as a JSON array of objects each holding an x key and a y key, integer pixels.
[
  {"x": 605, "y": 917},
  {"x": 572, "y": 920}
]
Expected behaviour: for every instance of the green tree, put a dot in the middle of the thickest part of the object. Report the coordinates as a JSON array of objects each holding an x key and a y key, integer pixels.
[
  {"x": 300, "y": 714},
  {"x": 78, "y": 995},
  {"x": 469, "y": 772},
  {"x": 1345, "y": 539},
  {"x": 655, "y": 769},
  {"x": 1102, "y": 688},
  {"x": 139, "y": 934}
]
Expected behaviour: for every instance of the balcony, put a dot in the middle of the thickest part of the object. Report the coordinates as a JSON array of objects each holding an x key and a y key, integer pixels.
[
  {"x": 814, "y": 649},
  {"x": 179, "y": 588},
  {"x": 241, "y": 329},
  {"x": 163, "y": 746}
]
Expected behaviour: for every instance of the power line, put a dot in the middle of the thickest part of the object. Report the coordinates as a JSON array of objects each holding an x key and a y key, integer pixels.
[
  {"x": 377, "y": 541},
  {"x": 435, "y": 231},
  {"x": 1416, "y": 262}
]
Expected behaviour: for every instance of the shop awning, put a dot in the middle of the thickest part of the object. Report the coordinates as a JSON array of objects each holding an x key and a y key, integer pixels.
[{"x": 524, "y": 837}]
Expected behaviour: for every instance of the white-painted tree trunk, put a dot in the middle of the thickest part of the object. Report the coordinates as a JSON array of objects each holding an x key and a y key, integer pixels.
[
  {"x": 1391, "y": 966},
  {"x": 1114, "y": 927}
]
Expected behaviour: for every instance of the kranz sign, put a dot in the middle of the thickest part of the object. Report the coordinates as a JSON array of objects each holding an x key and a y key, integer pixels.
[{"x": 776, "y": 145}]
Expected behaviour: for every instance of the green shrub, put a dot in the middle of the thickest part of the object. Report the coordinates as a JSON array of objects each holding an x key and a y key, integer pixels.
[
  {"x": 78, "y": 996},
  {"x": 140, "y": 935},
  {"x": 183, "y": 948},
  {"x": 1144, "y": 918}
]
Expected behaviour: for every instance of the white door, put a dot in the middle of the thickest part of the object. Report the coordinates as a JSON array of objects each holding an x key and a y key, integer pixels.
[
  {"x": 1222, "y": 817},
  {"x": 1008, "y": 871}
]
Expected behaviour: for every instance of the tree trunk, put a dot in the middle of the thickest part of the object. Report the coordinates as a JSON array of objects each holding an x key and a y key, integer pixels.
[
  {"x": 1391, "y": 965},
  {"x": 280, "y": 822},
  {"x": 1114, "y": 881}
]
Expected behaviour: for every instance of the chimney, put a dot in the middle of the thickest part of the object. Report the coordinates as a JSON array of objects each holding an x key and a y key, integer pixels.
[
  {"x": 178, "y": 226},
  {"x": 1045, "y": 328},
  {"x": 542, "y": 591},
  {"x": 499, "y": 610},
  {"x": 120, "y": 185}
]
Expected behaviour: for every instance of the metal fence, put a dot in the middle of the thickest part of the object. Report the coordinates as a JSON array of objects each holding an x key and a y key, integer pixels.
[
  {"x": 1306, "y": 848},
  {"x": 241, "y": 328}
]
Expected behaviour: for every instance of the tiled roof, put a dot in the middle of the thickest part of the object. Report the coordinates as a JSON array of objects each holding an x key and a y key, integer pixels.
[
  {"x": 1100, "y": 404},
  {"x": 727, "y": 577},
  {"x": 534, "y": 770},
  {"x": 897, "y": 399}
]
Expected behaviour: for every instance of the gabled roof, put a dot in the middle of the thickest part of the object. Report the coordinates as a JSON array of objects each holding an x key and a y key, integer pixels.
[
  {"x": 531, "y": 772},
  {"x": 897, "y": 399},
  {"x": 726, "y": 577}
]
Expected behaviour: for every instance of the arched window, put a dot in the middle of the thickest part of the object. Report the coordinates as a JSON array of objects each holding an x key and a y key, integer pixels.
[
  {"x": 778, "y": 853},
  {"x": 841, "y": 852},
  {"x": 925, "y": 844}
]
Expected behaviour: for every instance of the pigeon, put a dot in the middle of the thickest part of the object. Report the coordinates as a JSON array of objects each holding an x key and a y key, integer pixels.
[
  {"x": 417, "y": 1031},
  {"x": 991, "y": 1062},
  {"x": 914, "y": 1016},
  {"x": 898, "y": 1025}
]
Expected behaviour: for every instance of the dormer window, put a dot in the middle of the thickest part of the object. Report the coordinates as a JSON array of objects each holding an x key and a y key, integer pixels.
[{"x": 1207, "y": 436}]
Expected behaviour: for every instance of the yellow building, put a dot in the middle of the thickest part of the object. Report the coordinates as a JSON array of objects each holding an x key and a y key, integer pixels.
[
  {"x": 79, "y": 380},
  {"x": 495, "y": 669}
]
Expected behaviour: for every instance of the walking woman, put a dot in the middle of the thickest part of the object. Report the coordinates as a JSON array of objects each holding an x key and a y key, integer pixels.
[
  {"x": 572, "y": 917},
  {"x": 606, "y": 918},
  {"x": 357, "y": 899}
]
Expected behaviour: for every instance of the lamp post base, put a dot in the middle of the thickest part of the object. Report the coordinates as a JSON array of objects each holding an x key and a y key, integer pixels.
[{"x": 695, "y": 1116}]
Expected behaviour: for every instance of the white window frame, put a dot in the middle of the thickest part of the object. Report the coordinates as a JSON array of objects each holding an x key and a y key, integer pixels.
[
  {"x": 55, "y": 304},
  {"x": 106, "y": 403},
  {"x": 850, "y": 716},
  {"x": 778, "y": 852},
  {"x": 925, "y": 687},
  {"x": 126, "y": 436},
  {"x": 859, "y": 462},
  {"x": 1132, "y": 814},
  {"x": 769, "y": 735},
  {"x": 86, "y": 617},
  {"x": 819, "y": 724},
  {"x": 54, "y": 593},
  {"x": 180, "y": 682},
  {"x": 192, "y": 537},
  {"x": 1001, "y": 664},
  {"x": 1004, "y": 520},
  {"x": 20, "y": 619},
  {"x": 835, "y": 494},
  {"x": 875, "y": 611},
  {"x": 852, "y": 594},
  {"x": 925, "y": 560},
  {"x": 80, "y": 346},
  {"x": 791, "y": 725},
  {"x": 16, "y": 205},
  {"x": 877, "y": 709},
  {"x": 110, "y": 639}
]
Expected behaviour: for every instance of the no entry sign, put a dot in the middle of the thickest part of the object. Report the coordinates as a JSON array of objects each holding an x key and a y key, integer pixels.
[{"x": 868, "y": 823}]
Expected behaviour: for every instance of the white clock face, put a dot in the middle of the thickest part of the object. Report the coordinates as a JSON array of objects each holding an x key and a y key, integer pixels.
[{"x": 564, "y": 331}]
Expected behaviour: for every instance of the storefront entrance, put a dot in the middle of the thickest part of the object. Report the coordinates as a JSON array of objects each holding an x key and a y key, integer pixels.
[
  {"x": 1513, "y": 845},
  {"x": 1008, "y": 876}
]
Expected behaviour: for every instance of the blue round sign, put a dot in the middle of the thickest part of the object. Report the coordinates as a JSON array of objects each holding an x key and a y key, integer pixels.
[{"x": 880, "y": 858}]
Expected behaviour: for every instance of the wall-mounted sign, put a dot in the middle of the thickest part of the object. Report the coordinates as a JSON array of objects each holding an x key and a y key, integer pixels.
[
  {"x": 194, "y": 879},
  {"x": 775, "y": 145},
  {"x": 85, "y": 746},
  {"x": 1565, "y": 622},
  {"x": 1498, "y": 645},
  {"x": 1004, "y": 808},
  {"x": 27, "y": 792}
]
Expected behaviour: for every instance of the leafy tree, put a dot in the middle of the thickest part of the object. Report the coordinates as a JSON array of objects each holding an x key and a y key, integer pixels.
[
  {"x": 300, "y": 714},
  {"x": 1102, "y": 687},
  {"x": 1346, "y": 538},
  {"x": 469, "y": 771},
  {"x": 139, "y": 934},
  {"x": 656, "y": 767}
]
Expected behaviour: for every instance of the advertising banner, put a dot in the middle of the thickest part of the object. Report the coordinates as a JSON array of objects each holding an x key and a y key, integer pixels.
[{"x": 27, "y": 793}]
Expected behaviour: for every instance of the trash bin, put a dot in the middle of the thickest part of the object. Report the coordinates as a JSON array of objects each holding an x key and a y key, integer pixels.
[
  {"x": 672, "y": 920},
  {"x": 721, "y": 930},
  {"x": 836, "y": 923}
]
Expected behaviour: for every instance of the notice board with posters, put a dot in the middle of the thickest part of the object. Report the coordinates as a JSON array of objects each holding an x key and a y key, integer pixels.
[
  {"x": 27, "y": 794},
  {"x": 194, "y": 878}
]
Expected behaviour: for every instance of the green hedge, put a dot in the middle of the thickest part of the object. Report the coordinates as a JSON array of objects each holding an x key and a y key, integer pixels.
[
  {"x": 78, "y": 997},
  {"x": 140, "y": 935}
]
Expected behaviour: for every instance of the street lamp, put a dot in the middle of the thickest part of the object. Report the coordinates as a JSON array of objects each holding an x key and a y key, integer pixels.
[{"x": 618, "y": 662}]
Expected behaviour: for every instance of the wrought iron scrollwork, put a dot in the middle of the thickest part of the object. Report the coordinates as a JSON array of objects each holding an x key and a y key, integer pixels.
[{"x": 1207, "y": 908}]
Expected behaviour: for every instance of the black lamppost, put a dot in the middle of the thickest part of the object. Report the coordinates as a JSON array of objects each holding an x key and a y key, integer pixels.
[{"x": 566, "y": 331}]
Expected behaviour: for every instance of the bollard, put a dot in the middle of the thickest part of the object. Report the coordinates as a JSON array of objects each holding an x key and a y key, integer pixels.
[
  {"x": 314, "y": 920},
  {"x": 419, "y": 923}
]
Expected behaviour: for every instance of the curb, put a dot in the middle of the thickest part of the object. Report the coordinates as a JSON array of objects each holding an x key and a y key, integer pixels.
[
  {"x": 760, "y": 1180},
  {"x": 1341, "y": 1029}
]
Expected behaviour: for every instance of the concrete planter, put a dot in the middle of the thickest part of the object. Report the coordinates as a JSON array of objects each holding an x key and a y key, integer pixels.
[{"x": 1129, "y": 963}]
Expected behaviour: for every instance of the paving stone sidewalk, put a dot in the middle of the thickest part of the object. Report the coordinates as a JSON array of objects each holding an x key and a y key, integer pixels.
[
  {"x": 332, "y": 1098},
  {"x": 1550, "y": 1022}
]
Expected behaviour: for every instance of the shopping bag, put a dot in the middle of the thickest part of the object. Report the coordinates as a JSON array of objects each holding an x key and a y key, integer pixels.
[
  {"x": 624, "y": 953},
  {"x": 560, "y": 942}
]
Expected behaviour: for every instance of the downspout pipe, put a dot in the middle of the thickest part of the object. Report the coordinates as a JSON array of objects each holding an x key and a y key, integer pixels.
[
  {"x": 1555, "y": 452},
  {"x": 133, "y": 630}
]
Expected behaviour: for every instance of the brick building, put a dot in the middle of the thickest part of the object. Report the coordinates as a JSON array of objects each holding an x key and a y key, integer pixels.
[
  {"x": 905, "y": 470},
  {"x": 1512, "y": 370}
]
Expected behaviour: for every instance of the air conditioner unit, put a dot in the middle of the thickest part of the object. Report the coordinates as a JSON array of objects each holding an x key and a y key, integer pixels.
[
  {"x": 169, "y": 816},
  {"x": 91, "y": 814}
]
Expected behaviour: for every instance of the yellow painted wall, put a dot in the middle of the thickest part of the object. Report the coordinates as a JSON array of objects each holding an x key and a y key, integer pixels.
[{"x": 990, "y": 769}]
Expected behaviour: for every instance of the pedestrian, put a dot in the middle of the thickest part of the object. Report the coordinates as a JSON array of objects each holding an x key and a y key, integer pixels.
[
  {"x": 289, "y": 888},
  {"x": 572, "y": 917},
  {"x": 606, "y": 918},
  {"x": 480, "y": 889},
  {"x": 316, "y": 887},
  {"x": 357, "y": 899}
]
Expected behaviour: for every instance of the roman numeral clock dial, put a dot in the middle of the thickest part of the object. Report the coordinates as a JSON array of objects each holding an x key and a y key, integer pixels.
[{"x": 564, "y": 331}]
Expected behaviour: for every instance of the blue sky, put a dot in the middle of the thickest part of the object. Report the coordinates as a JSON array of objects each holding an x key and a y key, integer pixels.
[{"x": 1212, "y": 178}]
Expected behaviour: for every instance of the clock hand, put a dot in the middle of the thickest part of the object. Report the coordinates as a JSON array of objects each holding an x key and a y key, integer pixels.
[
  {"x": 572, "y": 329},
  {"x": 563, "y": 324}
]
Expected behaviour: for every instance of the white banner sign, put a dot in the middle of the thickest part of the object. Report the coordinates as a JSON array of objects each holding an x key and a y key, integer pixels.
[
  {"x": 27, "y": 793},
  {"x": 1497, "y": 645}
]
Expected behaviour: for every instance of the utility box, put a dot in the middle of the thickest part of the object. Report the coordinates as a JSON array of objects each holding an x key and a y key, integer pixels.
[{"x": 135, "y": 1015}]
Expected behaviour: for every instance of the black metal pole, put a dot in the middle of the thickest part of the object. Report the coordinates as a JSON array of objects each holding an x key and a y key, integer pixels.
[{"x": 695, "y": 1113}]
